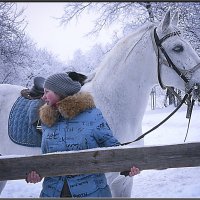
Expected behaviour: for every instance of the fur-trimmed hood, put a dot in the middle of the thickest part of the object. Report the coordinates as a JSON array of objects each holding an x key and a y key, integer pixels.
[{"x": 69, "y": 107}]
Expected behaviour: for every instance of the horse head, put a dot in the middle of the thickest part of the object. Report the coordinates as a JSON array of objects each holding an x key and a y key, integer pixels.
[{"x": 176, "y": 57}]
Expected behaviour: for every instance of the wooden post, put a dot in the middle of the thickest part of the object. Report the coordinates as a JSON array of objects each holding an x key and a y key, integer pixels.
[
  {"x": 153, "y": 98},
  {"x": 112, "y": 159}
]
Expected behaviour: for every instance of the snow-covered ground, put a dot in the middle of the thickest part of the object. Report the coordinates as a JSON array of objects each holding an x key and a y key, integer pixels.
[{"x": 168, "y": 183}]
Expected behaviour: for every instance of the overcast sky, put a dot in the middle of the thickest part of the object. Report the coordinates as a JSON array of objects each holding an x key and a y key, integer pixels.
[{"x": 47, "y": 33}]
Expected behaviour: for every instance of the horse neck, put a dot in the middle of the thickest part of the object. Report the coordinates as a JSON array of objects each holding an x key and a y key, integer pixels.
[
  {"x": 127, "y": 72},
  {"x": 124, "y": 81}
]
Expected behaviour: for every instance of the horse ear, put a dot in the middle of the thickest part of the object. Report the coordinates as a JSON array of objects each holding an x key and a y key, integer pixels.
[
  {"x": 175, "y": 19},
  {"x": 166, "y": 21}
]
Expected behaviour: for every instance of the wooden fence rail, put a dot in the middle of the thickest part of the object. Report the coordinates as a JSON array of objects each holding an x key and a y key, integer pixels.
[{"x": 114, "y": 159}]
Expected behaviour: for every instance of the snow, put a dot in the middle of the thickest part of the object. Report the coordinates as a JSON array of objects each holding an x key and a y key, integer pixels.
[{"x": 166, "y": 183}]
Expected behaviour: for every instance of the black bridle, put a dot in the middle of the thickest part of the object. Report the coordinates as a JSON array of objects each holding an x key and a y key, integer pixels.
[
  {"x": 186, "y": 98},
  {"x": 170, "y": 63}
]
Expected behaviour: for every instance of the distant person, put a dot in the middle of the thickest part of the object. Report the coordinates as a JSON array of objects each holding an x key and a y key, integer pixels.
[{"x": 70, "y": 121}]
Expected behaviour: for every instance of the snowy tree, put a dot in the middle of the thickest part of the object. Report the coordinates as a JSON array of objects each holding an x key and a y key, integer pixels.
[
  {"x": 12, "y": 40},
  {"x": 94, "y": 56},
  {"x": 39, "y": 62},
  {"x": 79, "y": 62},
  {"x": 20, "y": 59},
  {"x": 87, "y": 61},
  {"x": 107, "y": 13},
  {"x": 130, "y": 15}
]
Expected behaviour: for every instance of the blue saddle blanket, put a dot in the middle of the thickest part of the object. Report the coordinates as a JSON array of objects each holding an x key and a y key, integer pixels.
[{"x": 22, "y": 122}]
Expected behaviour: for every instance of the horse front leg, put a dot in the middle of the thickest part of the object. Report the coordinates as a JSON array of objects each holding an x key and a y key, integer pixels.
[
  {"x": 120, "y": 185},
  {"x": 2, "y": 185}
]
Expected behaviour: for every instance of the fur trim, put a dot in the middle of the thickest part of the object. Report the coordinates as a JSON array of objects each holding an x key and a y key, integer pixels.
[
  {"x": 48, "y": 115},
  {"x": 69, "y": 107}
]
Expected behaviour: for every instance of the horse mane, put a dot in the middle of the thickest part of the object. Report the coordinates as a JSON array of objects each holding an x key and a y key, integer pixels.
[
  {"x": 133, "y": 37},
  {"x": 123, "y": 47}
]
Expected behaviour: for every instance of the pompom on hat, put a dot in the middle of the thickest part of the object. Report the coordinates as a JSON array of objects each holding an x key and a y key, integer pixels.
[{"x": 62, "y": 84}]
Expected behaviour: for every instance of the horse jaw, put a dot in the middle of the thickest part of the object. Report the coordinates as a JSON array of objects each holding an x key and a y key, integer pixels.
[{"x": 170, "y": 78}]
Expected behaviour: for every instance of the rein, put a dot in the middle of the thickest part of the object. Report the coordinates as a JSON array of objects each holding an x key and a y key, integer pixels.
[
  {"x": 186, "y": 98},
  {"x": 164, "y": 120}
]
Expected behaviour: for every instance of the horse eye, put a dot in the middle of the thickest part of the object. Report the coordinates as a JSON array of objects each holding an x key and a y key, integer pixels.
[{"x": 178, "y": 48}]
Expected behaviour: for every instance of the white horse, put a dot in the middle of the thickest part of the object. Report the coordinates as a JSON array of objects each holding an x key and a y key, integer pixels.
[{"x": 122, "y": 84}]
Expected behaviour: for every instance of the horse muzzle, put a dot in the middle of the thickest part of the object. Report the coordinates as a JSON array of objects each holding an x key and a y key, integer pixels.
[
  {"x": 195, "y": 90},
  {"x": 194, "y": 82}
]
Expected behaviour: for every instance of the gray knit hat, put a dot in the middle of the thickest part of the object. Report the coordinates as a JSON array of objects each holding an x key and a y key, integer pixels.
[{"x": 62, "y": 84}]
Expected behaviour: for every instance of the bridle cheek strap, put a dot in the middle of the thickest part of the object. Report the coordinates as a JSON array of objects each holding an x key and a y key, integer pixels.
[{"x": 171, "y": 64}]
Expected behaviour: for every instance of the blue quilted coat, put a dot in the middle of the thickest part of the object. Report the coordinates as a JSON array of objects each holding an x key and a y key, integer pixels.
[{"x": 76, "y": 125}]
